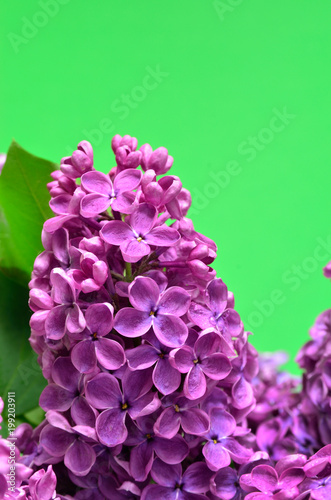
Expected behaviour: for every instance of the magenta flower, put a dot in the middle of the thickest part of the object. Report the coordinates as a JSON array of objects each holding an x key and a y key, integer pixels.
[
  {"x": 201, "y": 361},
  {"x": 134, "y": 238},
  {"x": 62, "y": 184},
  {"x": 42, "y": 484},
  {"x": 215, "y": 311},
  {"x": 157, "y": 160},
  {"x": 145, "y": 443},
  {"x": 79, "y": 162},
  {"x": 152, "y": 309},
  {"x": 67, "y": 208},
  {"x": 221, "y": 446},
  {"x": 74, "y": 444},
  {"x": 171, "y": 484},
  {"x": 181, "y": 412},
  {"x": 66, "y": 316},
  {"x": 103, "y": 392},
  {"x": 160, "y": 192},
  {"x": 166, "y": 378},
  {"x": 102, "y": 193},
  {"x": 125, "y": 152},
  {"x": 269, "y": 484},
  {"x": 92, "y": 274},
  {"x": 225, "y": 484},
  {"x": 93, "y": 345},
  {"x": 66, "y": 386}
]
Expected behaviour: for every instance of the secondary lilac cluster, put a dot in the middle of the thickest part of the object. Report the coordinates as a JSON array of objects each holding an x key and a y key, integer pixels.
[
  {"x": 153, "y": 390},
  {"x": 315, "y": 359}
]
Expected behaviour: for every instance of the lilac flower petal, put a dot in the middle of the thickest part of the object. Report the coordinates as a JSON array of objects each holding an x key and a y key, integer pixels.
[
  {"x": 224, "y": 483},
  {"x": 54, "y": 397},
  {"x": 195, "y": 384},
  {"x": 143, "y": 218},
  {"x": 100, "y": 272},
  {"x": 44, "y": 485},
  {"x": 115, "y": 232},
  {"x": 136, "y": 384},
  {"x": 127, "y": 180},
  {"x": 63, "y": 291},
  {"x": 55, "y": 441},
  {"x": 242, "y": 393},
  {"x": 83, "y": 356},
  {"x": 38, "y": 321},
  {"x": 51, "y": 225},
  {"x": 166, "y": 378},
  {"x": 75, "y": 319},
  {"x": 82, "y": 413},
  {"x": 154, "y": 491},
  {"x": 65, "y": 374},
  {"x": 132, "y": 323},
  {"x": 238, "y": 453},
  {"x": 141, "y": 461},
  {"x": 145, "y": 405},
  {"x": 264, "y": 478},
  {"x": 207, "y": 343},
  {"x": 174, "y": 301},
  {"x": 141, "y": 357},
  {"x": 230, "y": 322},
  {"x": 200, "y": 315},
  {"x": 80, "y": 458},
  {"x": 60, "y": 204},
  {"x": 162, "y": 236},
  {"x": 171, "y": 451},
  {"x": 291, "y": 478},
  {"x": 97, "y": 182},
  {"x": 165, "y": 474},
  {"x": 55, "y": 324},
  {"x": 144, "y": 294},
  {"x": 99, "y": 318},
  {"x": 110, "y": 353},
  {"x": 103, "y": 391},
  {"x": 110, "y": 427},
  {"x": 218, "y": 296},
  {"x": 134, "y": 250},
  {"x": 170, "y": 330},
  {"x": 216, "y": 366},
  {"x": 222, "y": 423},
  {"x": 168, "y": 423},
  {"x": 183, "y": 358},
  {"x": 124, "y": 202},
  {"x": 197, "y": 477},
  {"x": 58, "y": 420},
  {"x": 60, "y": 246},
  {"x": 195, "y": 421},
  {"x": 93, "y": 204},
  {"x": 216, "y": 456}
]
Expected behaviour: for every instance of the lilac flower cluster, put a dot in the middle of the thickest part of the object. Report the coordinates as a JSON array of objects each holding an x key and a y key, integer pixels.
[
  {"x": 154, "y": 391},
  {"x": 147, "y": 361}
]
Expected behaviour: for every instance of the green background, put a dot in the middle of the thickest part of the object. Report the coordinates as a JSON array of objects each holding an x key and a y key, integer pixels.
[{"x": 225, "y": 71}]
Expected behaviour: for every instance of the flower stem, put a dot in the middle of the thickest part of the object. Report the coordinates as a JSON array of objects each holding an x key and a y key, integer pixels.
[{"x": 128, "y": 272}]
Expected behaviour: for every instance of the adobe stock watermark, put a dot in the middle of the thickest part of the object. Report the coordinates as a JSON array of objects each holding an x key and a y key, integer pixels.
[
  {"x": 223, "y": 8},
  {"x": 292, "y": 278},
  {"x": 11, "y": 419},
  {"x": 31, "y": 27},
  {"x": 249, "y": 148},
  {"x": 122, "y": 106}
]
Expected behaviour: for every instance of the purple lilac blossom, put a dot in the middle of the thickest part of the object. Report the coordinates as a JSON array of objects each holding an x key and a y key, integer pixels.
[{"x": 154, "y": 390}]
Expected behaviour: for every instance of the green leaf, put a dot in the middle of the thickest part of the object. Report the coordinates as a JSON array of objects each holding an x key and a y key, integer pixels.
[
  {"x": 23, "y": 209},
  {"x": 19, "y": 371}
]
